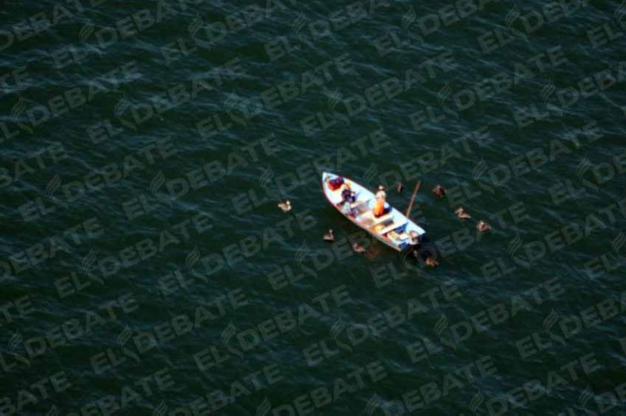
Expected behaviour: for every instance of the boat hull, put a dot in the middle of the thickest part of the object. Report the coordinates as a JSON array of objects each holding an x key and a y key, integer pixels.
[{"x": 392, "y": 229}]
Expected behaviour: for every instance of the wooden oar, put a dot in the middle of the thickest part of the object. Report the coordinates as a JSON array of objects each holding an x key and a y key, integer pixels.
[{"x": 417, "y": 188}]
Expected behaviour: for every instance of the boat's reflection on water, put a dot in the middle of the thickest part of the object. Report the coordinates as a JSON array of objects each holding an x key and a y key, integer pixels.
[{"x": 375, "y": 250}]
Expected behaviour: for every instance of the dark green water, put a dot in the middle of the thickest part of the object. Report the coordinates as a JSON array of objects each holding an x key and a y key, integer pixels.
[{"x": 146, "y": 269}]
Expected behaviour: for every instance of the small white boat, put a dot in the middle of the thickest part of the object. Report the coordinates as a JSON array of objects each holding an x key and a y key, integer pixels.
[{"x": 392, "y": 228}]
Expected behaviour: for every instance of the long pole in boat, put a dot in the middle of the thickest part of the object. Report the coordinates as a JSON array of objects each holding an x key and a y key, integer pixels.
[{"x": 417, "y": 188}]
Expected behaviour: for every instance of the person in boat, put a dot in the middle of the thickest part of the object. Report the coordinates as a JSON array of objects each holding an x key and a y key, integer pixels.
[
  {"x": 348, "y": 196},
  {"x": 415, "y": 244},
  {"x": 335, "y": 183},
  {"x": 381, "y": 199}
]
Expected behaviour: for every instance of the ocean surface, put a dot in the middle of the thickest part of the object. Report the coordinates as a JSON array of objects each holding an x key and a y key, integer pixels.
[{"x": 147, "y": 269}]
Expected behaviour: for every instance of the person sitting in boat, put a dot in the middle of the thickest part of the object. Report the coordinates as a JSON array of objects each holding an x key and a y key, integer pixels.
[
  {"x": 348, "y": 196},
  {"x": 335, "y": 183},
  {"x": 381, "y": 199}
]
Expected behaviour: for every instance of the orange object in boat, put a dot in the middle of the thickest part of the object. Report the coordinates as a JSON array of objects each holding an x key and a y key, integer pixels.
[{"x": 379, "y": 207}]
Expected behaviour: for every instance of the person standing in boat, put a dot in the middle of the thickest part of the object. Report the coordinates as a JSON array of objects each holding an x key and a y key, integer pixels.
[{"x": 381, "y": 199}]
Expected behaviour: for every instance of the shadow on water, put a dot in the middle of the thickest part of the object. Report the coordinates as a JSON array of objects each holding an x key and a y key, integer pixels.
[{"x": 419, "y": 253}]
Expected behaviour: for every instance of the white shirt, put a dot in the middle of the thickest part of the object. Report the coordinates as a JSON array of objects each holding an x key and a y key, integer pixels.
[{"x": 381, "y": 195}]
